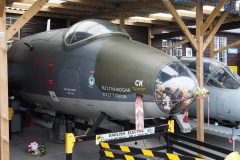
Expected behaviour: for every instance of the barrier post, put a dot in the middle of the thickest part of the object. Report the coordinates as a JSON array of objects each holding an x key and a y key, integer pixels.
[
  {"x": 170, "y": 130},
  {"x": 69, "y": 141}
]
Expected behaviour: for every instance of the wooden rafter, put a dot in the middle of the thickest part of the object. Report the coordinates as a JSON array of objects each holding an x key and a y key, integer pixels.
[
  {"x": 233, "y": 19},
  {"x": 137, "y": 5},
  {"x": 25, "y": 18},
  {"x": 62, "y": 6},
  {"x": 180, "y": 22},
  {"x": 58, "y": 8},
  {"x": 182, "y": 42},
  {"x": 215, "y": 29},
  {"x": 98, "y": 3},
  {"x": 179, "y": 7},
  {"x": 63, "y": 9},
  {"x": 126, "y": 22},
  {"x": 176, "y": 45},
  {"x": 41, "y": 14},
  {"x": 88, "y": 2},
  {"x": 4, "y": 123},
  {"x": 130, "y": 6},
  {"x": 212, "y": 16},
  {"x": 234, "y": 44}
]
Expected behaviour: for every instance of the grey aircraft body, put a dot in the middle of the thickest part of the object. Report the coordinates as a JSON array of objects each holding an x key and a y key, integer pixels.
[
  {"x": 224, "y": 87},
  {"x": 95, "y": 67}
]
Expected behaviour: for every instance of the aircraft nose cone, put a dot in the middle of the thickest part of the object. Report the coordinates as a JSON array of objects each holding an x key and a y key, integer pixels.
[{"x": 174, "y": 88}]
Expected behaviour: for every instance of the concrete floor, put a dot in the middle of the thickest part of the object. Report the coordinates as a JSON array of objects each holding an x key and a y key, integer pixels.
[{"x": 83, "y": 150}]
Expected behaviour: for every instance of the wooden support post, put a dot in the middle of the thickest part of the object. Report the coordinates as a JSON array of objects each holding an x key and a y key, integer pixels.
[
  {"x": 25, "y": 18},
  {"x": 180, "y": 22},
  {"x": 199, "y": 69},
  {"x": 122, "y": 19},
  {"x": 4, "y": 124},
  {"x": 150, "y": 35}
]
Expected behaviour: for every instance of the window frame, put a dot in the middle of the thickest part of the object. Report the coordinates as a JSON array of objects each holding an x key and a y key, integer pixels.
[
  {"x": 214, "y": 73},
  {"x": 217, "y": 45},
  {"x": 191, "y": 52},
  {"x": 177, "y": 49}
]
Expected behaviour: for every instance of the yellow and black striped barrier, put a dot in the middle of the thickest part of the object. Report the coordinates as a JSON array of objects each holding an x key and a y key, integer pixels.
[
  {"x": 112, "y": 155},
  {"x": 136, "y": 151}
]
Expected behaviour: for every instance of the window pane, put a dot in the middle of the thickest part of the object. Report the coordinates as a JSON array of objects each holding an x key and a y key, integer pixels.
[
  {"x": 92, "y": 28},
  {"x": 174, "y": 83},
  {"x": 169, "y": 52},
  {"x": 223, "y": 79},
  {"x": 223, "y": 54},
  {"x": 177, "y": 52},
  {"x": 189, "y": 52},
  {"x": 164, "y": 43}
]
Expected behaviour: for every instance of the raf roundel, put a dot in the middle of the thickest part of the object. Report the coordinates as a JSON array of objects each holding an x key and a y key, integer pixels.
[{"x": 91, "y": 81}]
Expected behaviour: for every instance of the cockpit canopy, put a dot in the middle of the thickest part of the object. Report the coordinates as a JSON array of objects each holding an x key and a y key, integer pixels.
[
  {"x": 91, "y": 29},
  {"x": 216, "y": 73}
]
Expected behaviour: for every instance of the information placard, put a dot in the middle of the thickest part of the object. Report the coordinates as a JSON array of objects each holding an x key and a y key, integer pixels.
[{"x": 124, "y": 134}]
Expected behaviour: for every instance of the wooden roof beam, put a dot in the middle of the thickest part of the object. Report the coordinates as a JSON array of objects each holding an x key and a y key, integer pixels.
[
  {"x": 215, "y": 29},
  {"x": 41, "y": 14},
  {"x": 25, "y": 18},
  {"x": 52, "y": 8},
  {"x": 182, "y": 42},
  {"x": 97, "y": 3},
  {"x": 180, "y": 22},
  {"x": 69, "y": 6},
  {"x": 69, "y": 13},
  {"x": 212, "y": 16},
  {"x": 126, "y": 22},
  {"x": 234, "y": 44},
  {"x": 176, "y": 45},
  {"x": 130, "y": 6},
  {"x": 181, "y": 14},
  {"x": 137, "y": 5},
  {"x": 167, "y": 20}
]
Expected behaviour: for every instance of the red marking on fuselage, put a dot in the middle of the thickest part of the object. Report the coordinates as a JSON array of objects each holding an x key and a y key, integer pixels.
[
  {"x": 42, "y": 82},
  {"x": 50, "y": 83},
  {"x": 50, "y": 67},
  {"x": 38, "y": 64}
]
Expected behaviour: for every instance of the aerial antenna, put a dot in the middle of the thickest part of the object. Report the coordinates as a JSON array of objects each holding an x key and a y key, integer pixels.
[
  {"x": 48, "y": 24},
  {"x": 29, "y": 45}
]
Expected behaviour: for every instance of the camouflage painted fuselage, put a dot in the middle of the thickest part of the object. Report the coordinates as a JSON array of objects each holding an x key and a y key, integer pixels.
[{"x": 100, "y": 75}]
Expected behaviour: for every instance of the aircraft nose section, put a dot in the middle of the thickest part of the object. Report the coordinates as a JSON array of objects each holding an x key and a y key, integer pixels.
[{"x": 174, "y": 88}]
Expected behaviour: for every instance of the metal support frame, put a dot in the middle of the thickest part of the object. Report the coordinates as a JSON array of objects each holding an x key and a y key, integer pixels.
[
  {"x": 70, "y": 140},
  {"x": 96, "y": 124}
]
